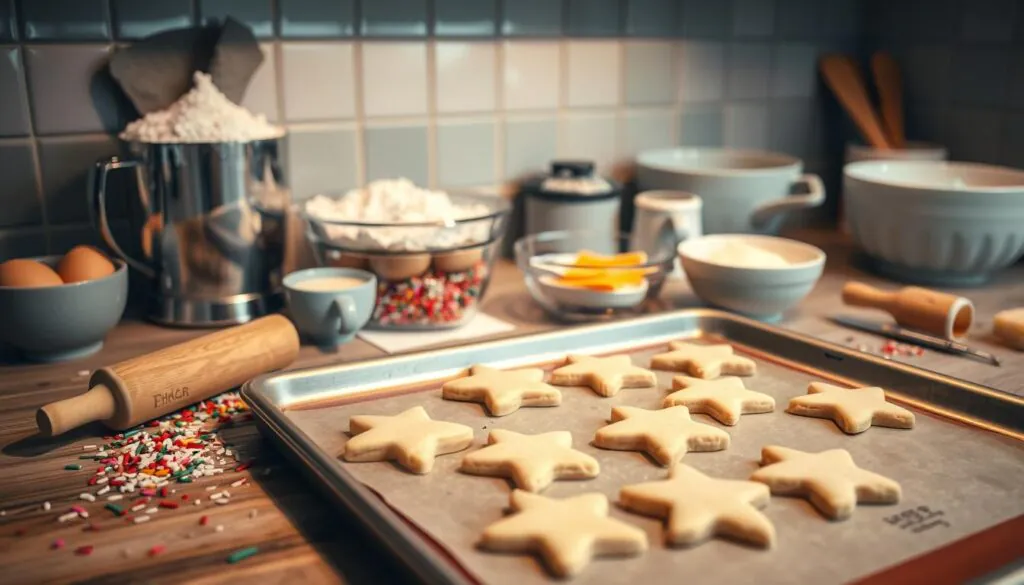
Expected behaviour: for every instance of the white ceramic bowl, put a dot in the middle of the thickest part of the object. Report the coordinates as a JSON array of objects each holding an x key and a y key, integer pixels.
[
  {"x": 761, "y": 293},
  {"x": 939, "y": 223}
]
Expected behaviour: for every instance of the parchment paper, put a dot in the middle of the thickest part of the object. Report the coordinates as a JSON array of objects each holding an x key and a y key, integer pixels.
[{"x": 956, "y": 480}]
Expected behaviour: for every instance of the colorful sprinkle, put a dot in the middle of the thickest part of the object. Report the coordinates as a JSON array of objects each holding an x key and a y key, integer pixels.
[
  {"x": 73, "y": 467},
  {"x": 158, "y": 549},
  {"x": 58, "y": 543},
  {"x": 242, "y": 554},
  {"x": 203, "y": 521},
  {"x": 115, "y": 509},
  {"x": 84, "y": 550},
  {"x": 140, "y": 519}
]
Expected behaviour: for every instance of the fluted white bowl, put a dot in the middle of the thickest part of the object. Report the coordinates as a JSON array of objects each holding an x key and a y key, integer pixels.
[{"x": 935, "y": 222}]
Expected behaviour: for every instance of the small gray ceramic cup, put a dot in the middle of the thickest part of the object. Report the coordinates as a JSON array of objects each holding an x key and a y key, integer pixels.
[{"x": 330, "y": 317}]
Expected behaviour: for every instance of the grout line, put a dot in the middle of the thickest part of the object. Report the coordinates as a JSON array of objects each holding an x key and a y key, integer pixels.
[
  {"x": 360, "y": 113},
  {"x": 432, "y": 150},
  {"x": 37, "y": 165},
  {"x": 499, "y": 106}
]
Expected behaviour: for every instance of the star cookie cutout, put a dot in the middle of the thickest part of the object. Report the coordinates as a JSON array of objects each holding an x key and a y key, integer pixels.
[
  {"x": 666, "y": 435},
  {"x": 830, "y": 480},
  {"x": 724, "y": 399},
  {"x": 703, "y": 361},
  {"x": 532, "y": 462},
  {"x": 566, "y": 533},
  {"x": 604, "y": 375},
  {"x": 854, "y": 410},
  {"x": 503, "y": 391},
  {"x": 698, "y": 507},
  {"x": 411, "y": 438}
]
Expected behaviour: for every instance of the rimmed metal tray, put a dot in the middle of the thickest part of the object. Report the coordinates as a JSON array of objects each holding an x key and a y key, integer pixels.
[{"x": 961, "y": 467}]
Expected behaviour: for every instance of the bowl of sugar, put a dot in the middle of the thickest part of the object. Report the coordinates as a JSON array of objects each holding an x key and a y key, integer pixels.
[{"x": 756, "y": 276}]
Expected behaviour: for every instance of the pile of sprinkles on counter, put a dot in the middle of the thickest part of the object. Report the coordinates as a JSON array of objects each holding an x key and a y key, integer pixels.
[
  {"x": 888, "y": 349},
  {"x": 140, "y": 469}
]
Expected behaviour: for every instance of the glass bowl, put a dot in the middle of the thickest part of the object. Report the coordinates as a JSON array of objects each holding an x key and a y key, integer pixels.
[
  {"x": 430, "y": 275},
  {"x": 544, "y": 257}
]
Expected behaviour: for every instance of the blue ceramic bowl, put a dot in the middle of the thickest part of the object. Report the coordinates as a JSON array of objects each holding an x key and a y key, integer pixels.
[{"x": 57, "y": 323}]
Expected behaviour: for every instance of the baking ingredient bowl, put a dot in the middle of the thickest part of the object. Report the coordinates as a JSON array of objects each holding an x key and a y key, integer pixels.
[
  {"x": 62, "y": 322},
  {"x": 757, "y": 276},
  {"x": 430, "y": 275},
  {"x": 938, "y": 223},
  {"x": 617, "y": 284}
]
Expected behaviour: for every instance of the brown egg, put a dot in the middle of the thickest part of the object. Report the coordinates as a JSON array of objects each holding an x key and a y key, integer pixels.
[
  {"x": 22, "y": 272},
  {"x": 458, "y": 261},
  {"x": 83, "y": 263},
  {"x": 400, "y": 267}
]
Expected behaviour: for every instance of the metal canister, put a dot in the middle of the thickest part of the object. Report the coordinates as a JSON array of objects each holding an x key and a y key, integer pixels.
[
  {"x": 210, "y": 227},
  {"x": 573, "y": 198}
]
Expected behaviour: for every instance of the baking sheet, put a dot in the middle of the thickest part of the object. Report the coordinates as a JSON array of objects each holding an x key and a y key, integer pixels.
[{"x": 956, "y": 480}]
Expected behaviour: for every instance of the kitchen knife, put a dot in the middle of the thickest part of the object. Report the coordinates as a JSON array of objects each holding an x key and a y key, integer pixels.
[{"x": 896, "y": 332}]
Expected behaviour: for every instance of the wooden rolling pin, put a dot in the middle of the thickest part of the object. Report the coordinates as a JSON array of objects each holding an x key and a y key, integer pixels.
[
  {"x": 926, "y": 310},
  {"x": 148, "y": 386}
]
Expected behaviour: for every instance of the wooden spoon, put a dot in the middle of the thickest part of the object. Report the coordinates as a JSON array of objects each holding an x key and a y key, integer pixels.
[
  {"x": 846, "y": 81},
  {"x": 890, "y": 94}
]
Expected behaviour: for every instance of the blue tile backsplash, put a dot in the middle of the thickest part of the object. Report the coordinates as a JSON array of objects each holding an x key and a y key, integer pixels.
[{"x": 367, "y": 92}]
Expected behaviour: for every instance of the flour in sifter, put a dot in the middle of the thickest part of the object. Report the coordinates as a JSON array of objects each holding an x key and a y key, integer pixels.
[{"x": 204, "y": 114}]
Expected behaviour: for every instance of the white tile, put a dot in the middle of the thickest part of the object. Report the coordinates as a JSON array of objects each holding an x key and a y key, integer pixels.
[
  {"x": 261, "y": 96},
  {"x": 465, "y": 77},
  {"x": 394, "y": 78},
  {"x": 322, "y": 161},
  {"x": 465, "y": 154},
  {"x": 327, "y": 67},
  {"x": 701, "y": 70},
  {"x": 593, "y": 73},
  {"x": 531, "y": 74},
  {"x": 746, "y": 126},
  {"x": 590, "y": 137},
  {"x": 794, "y": 70},
  {"x": 650, "y": 72},
  {"x": 646, "y": 131}
]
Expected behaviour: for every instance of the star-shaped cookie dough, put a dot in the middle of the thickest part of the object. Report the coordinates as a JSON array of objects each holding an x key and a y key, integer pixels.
[
  {"x": 724, "y": 399},
  {"x": 703, "y": 361},
  {"x": 853, "y": 409},
  {"x": 830, "y": 480},
  {"x": 411, "y": 438},
  {"x": 666, "y": 435},
  {"x": 698, "y": 507},
  {"x": 566, "y": 533},
  {"x": 532, "y": 462},
  {"x": 604, "y": 375},
  {"x": 503, "y": 391}
]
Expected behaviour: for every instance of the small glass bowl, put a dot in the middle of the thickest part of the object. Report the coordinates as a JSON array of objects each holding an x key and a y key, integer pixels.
[
  {"x": 543, "y": 257},
  {"x": 430, "y": 275}
]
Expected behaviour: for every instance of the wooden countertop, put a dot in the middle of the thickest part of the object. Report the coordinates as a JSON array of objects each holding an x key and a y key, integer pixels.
[{"x": 301, "y": 538}]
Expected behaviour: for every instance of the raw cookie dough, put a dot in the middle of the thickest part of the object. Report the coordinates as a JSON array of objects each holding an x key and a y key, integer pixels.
[
  {"x": 698, "y": 507},
  {"x": 666, "y": 435},
  {"x": 703, "y": 361},
  {"x": 532, "y": 462},
  {"x": 411, "y": 438},
  {"x": 854, "y": 410},
  {"x": 724, "y": 399},
  {"x": 503, "y": 391},
  {"x": 1008, "y": 326},
  {"x": 565, "y": 533},
  {"x": 830, "y": 480},
  {"x": 604, "y": 375}
]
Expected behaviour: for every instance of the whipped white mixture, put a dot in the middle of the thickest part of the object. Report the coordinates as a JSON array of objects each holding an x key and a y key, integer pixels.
[
  {"x": 204, "y": 114},
  {"x": 744, "y": 255},
  {"x": 399, "y": 201}
]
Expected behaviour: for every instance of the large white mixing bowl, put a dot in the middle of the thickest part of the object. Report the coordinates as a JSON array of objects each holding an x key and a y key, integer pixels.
[{"x": 930, "y": 222}]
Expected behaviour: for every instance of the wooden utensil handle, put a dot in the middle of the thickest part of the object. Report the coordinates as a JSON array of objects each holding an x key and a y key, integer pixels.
[
  {"x": 859, "y": 294},
  {"x": 174, "y": 377}
]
